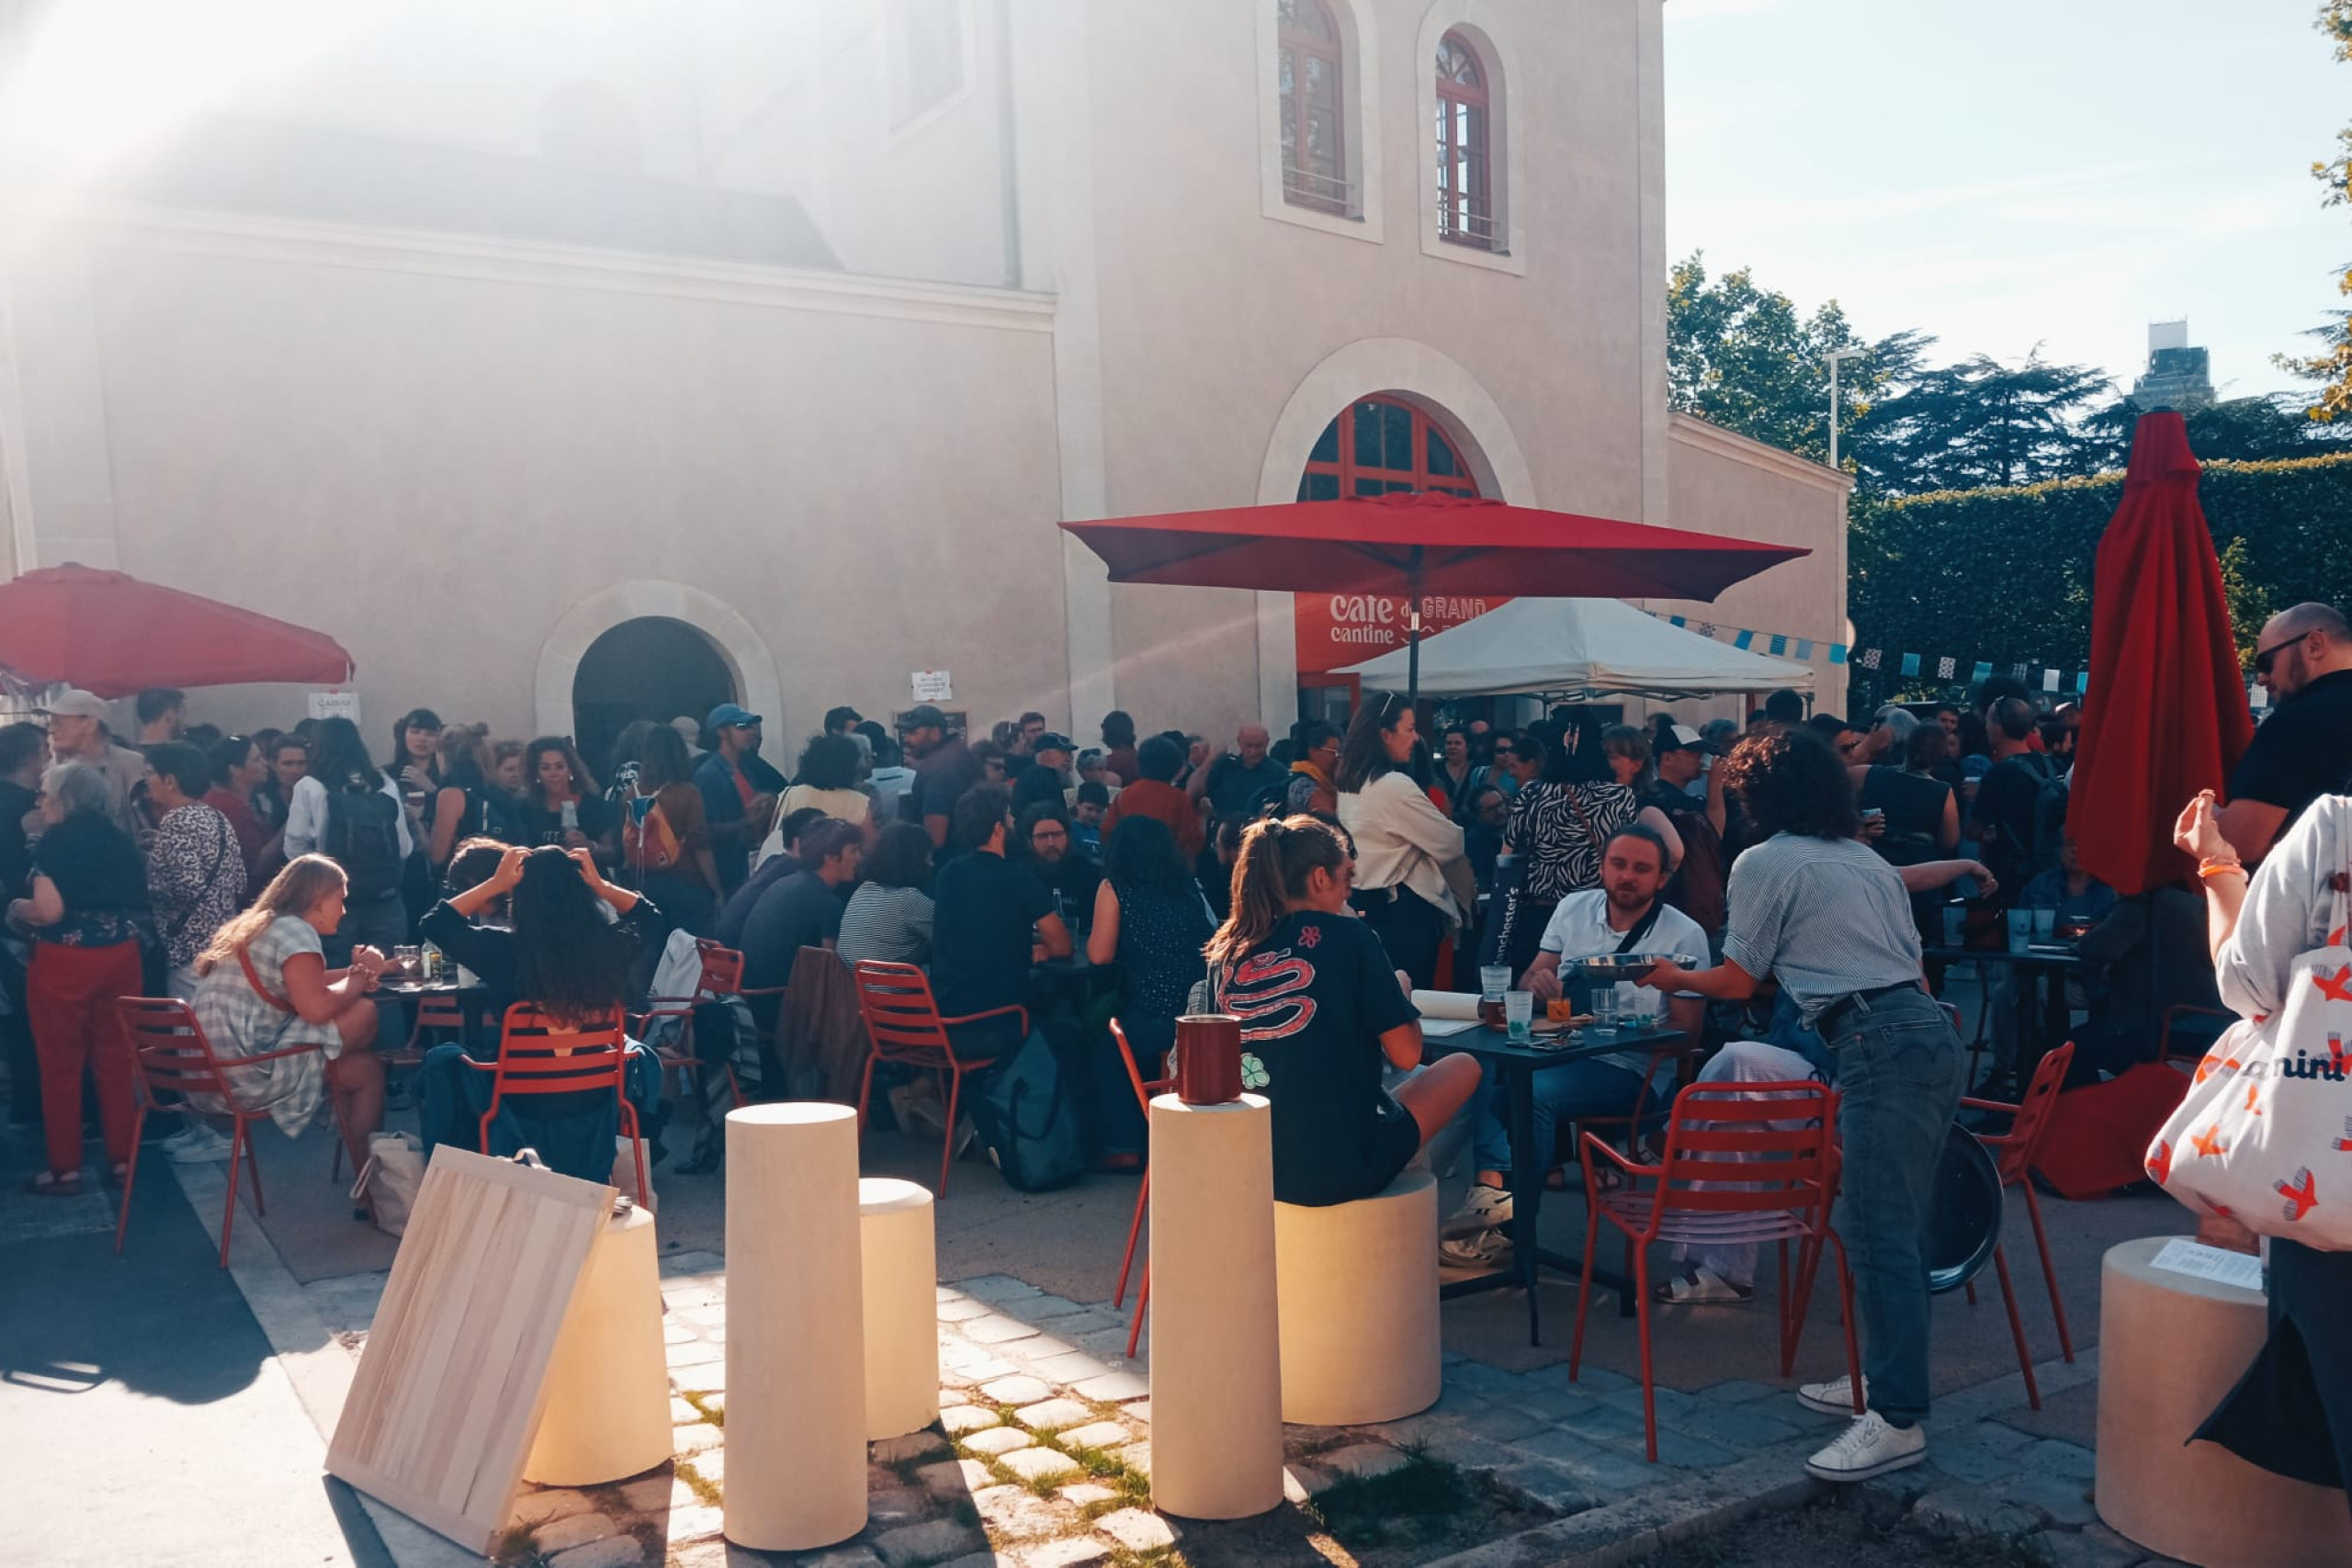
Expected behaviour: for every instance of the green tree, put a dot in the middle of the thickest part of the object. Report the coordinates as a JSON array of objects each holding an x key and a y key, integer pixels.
[
  {"x": 1983, "y": 422},
  {"x": 2331, "y": 368},
  {"x": 2237, "y": 430},
  {"x": 1743, "y": 357}
]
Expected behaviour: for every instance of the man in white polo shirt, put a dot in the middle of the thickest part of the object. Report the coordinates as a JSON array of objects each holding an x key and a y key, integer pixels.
[{"x": 1625, "y": 914}]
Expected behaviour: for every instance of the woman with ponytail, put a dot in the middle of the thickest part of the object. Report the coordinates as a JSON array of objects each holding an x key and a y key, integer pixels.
[{"x": 1321, "y": 1014}]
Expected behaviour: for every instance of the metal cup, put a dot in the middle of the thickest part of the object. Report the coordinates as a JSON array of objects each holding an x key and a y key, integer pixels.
[{"x": 1208, "y": 1059}]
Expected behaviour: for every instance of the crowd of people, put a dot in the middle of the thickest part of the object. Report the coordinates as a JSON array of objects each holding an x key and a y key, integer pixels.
[{"x": 1806, "y": 874}]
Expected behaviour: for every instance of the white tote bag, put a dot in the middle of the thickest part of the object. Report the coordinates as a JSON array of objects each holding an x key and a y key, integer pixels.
[
  {"x": 388, "y": 1182},
  {"x": 2264, "y": 1135}
]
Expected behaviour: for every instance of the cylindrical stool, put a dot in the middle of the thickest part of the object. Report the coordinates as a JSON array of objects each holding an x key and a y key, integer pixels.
[
  {"x": 2170, "y": 1346},
  {"x": 795, "y": 1337},
  {"x": 608, "y": 1384},
  {"x": 1358, "y": 1287},
  {"x": 1217, "y": 1417},
  {"x": 900, "y": 1271}
]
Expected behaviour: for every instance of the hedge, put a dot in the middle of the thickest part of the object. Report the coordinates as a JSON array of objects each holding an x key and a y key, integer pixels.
[{"x": 2004, "y": 575}]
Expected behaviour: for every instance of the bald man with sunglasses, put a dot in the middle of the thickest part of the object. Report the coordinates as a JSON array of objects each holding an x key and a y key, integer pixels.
[{"x": 2304, "y": 750}]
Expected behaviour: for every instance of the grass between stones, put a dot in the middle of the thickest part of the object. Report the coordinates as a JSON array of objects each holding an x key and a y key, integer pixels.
[
  {"x": 717, "y": 1417},
  {"x": 705, "y": 1490}
]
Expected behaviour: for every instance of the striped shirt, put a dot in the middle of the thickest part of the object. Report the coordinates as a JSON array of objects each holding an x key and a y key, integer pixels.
[
  {"x": 892, "y": 924},
  {"x": 1824, "y": 916}
]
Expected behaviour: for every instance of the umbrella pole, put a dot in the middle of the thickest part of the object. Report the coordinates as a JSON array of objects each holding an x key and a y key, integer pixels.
[{"x": 1413, "y": 632}]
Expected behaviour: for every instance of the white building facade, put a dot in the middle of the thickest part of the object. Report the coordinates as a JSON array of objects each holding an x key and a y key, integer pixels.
[{"x": 577, "y": 362}]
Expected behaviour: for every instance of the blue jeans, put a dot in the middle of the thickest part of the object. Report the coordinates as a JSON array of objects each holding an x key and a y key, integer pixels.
[
  {"x": 1569, "y": 1092},
  {"x": 1899, "y": 1069}
]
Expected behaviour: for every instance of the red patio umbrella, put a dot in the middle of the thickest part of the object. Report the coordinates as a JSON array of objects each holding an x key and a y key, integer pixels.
[
  {"x": 111, "y": 634},
  {"x": 2167, "y": 714},
  {"x": 1422, "y": 544}
]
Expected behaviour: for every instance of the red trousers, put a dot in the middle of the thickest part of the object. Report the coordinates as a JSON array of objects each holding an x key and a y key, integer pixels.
[{"x": 69, "y": 995}]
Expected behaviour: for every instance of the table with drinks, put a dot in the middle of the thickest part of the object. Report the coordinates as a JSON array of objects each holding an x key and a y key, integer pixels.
[
  {"x": 2043, "y": 950},
  {"x": 1506, "y": 1037},
  {"x": 425, "y": 973}
]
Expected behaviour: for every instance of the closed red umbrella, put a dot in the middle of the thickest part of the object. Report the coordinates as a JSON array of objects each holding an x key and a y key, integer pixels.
[
  {"x": 2167, "y": 713},
  {"x": 111, "y": 634},
  {"x": 1421, "y": 544}
]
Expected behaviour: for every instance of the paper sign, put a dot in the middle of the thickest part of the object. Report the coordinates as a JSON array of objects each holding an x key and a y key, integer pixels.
[
  {"x": 934, "y": 686},
  {"x": 2183, "y": 1256},
  {"x": 335, "y": 705}
]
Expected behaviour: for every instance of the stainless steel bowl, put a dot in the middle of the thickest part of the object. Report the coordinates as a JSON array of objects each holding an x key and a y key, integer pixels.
[{"x": 1617, "y": 967}]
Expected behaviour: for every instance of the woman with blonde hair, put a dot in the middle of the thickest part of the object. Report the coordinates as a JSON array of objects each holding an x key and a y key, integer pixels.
[
  {"x": 1321, "y": 1011},
  {"x": 263, "y": 985}
]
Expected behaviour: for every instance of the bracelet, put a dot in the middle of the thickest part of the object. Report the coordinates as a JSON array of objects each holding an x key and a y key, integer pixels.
[{"x": 2214, "y": 866}]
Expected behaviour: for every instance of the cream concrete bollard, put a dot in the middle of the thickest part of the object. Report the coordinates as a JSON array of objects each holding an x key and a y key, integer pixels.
[
  {"x": 795, "y": 1334},
  {"x": 1358, "y": 1302},
  {"x": 608, "y": 1386},
  {"x": 900, "y": 1266},
  {"x": 1217, "y": 1417},
  {"x": 2170, "y": 1346}
]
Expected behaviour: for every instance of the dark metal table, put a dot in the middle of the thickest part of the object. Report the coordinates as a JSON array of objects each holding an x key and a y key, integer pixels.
[
  {"x": 2044, "y": 961},
  {"x": 1518, "y": 1066},
  {"x": 480, "y": 1044}
]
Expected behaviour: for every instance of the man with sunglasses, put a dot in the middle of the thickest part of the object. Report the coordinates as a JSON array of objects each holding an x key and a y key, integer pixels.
[{"x": 2304, "y": 749}]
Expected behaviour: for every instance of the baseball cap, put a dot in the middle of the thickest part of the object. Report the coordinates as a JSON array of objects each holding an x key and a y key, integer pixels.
[
  {"x": 75, "y": 703},
  {"x": 1683, "y": 738},
  {"x": 727, "y": 714},
  {"x": 1049, "y": 741},
  {"x": 922, "y": 716}
]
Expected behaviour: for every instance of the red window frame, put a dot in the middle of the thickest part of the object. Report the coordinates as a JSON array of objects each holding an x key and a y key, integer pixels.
[
  {"x": 1349, "y": 470},
  {"x": 1304, "y": 186},
  {"x": 1465, "y": 147}
]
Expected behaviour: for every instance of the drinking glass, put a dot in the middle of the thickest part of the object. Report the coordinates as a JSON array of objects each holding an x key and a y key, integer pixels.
[
  {"x": 1604, "y": 1011},
  {"x": 2045, "y": 925},
  {"x": 1494, "y": 979},
  {"x": 1955, "y": 925},
  {"x": 1519, "y": 1012},
  {"x": 409, "y": 959},
  {"x": 2020, "y": 930}
]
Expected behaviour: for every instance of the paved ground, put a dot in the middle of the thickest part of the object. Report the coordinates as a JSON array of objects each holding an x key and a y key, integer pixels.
[
  {"x": 143, "y": 1415},
  {"x": 159, "y": 1357}
]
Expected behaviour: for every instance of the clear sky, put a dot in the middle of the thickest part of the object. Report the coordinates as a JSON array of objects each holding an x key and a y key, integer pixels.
[{"x": 2012, "y": 172}]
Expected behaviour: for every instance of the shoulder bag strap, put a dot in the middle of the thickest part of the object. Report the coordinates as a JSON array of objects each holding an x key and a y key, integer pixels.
[
  {"x": 245, "y": 959},
  {"x": 1642, "y": 927},
  {"x": 220, "y": 855}
]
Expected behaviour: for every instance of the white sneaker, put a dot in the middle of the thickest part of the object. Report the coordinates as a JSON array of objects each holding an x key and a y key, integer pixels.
[
  {"x": 1484, "y": 1249},
  {"x": 1484, "y": 1209},
  {"x": 1869, "y": 1446},
  {"x": 1835, "y": 1398},
  {"x": 200, "y": 1145}
]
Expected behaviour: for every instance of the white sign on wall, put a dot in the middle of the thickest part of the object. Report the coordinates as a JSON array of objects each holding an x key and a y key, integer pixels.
[
  {"x": 335, "y": 705},
  {"x": 934, "y": 686}
]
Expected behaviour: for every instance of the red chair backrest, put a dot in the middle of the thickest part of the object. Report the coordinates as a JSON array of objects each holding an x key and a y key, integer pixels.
[
  {"x": 539, "y": 1056},
  {"x": 169, "y": 1048},
  {"x": 1143, "y": 1090},
  {"x": 2017, "y": 1149},
  {"x": 901, "y": 1016},
  {"x": 1721, "y": 1133},
  {"x": 722, "y": 969}
]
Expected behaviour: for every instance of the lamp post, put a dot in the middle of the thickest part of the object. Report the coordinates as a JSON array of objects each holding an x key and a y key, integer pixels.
[{"x": 1836, "y": 357}]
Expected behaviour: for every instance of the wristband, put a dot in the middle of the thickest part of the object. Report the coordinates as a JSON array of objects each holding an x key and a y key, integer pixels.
[{"x": 2214, "y": 866}]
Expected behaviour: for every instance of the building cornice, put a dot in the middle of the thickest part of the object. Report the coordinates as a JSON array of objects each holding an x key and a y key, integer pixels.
[
  {"x": 305, "y": 242},
  {"x": 1693, "y": 431}
]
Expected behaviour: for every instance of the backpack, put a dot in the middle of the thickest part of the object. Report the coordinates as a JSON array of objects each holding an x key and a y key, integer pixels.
[
  {"x": 1026, "y": 1120},
  {"x": 363, "y": 836},
  {"x": 648, "y": 842}
]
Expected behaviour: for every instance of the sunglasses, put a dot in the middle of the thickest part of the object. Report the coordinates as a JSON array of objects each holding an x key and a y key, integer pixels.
[{"x": 2263, "y": 657}]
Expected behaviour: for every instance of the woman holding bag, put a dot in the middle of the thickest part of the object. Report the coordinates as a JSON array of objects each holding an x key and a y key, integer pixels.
[{"x": 2292, "y": 1414}]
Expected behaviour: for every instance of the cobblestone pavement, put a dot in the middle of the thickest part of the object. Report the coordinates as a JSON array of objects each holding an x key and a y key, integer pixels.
[{"x": 1042, "y": 1455}]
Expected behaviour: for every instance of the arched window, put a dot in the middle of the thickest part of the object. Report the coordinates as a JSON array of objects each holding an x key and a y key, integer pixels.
[
  {"x": 1465, "y": 205},
  {"x": 1382, "y": 444},
  {"x": 1314, "y": 125}
]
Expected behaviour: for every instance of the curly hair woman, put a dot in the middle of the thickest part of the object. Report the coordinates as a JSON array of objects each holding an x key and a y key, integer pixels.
[{"x": 1817, "y": 910}]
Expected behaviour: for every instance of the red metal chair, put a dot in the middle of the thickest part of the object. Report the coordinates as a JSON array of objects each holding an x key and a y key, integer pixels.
[
  {"x": 722, "y": 976},
  {"x": 1144, "y": 1091},
  {"x": 2015, "y": 1153},
  {"x": 172, "y": 1056},
  {"x": 902, "y": 1021},
  {"x": 539, "y": 1056},
  {"x": 1728, "y": 1175}
]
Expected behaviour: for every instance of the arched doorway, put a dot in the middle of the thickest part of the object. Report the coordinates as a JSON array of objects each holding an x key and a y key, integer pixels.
[{"x": 652, "y": 667}]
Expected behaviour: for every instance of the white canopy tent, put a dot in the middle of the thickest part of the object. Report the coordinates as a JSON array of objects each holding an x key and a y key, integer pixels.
[{"x": 1581, "y": 648}]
